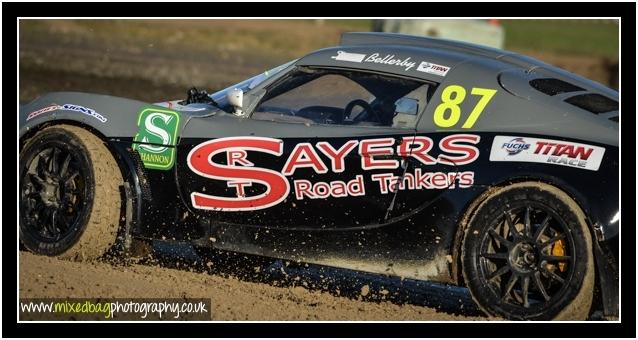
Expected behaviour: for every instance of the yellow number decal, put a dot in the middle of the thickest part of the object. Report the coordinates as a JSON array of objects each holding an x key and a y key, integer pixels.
[
  {"x": 447, "y": 102},
  {"x": 451, "y": 97},
  {"x": 486, "y": 96}
]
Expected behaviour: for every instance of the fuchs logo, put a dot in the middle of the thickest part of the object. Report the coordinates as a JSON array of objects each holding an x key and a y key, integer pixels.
[
  {"x": 156, "y": 137},
  {"x": 515, "y": 146}
]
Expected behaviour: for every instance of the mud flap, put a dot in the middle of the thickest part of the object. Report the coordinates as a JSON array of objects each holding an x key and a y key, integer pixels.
[{"x": 608, "y": 280}]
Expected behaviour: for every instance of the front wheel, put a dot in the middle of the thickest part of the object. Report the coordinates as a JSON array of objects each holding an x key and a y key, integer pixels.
[
  {"x": 69, "y": 199},
  {"x": 527, "y": 255}
]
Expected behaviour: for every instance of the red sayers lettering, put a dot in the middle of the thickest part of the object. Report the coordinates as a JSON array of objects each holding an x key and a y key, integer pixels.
[
  {"x": 377, "y": 153},
  {"x": 199, "y": 161}
]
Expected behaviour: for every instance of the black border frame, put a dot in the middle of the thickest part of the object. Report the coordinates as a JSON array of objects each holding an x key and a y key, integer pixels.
[{"x": 626, "y": 328}]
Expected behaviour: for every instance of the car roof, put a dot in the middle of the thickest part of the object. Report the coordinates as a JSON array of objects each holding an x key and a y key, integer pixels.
[
  {"x": 396, "y": 48},
  {"x": 548, "y": 100}
]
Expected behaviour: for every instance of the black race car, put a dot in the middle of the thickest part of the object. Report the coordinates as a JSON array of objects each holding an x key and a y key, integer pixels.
[{"x": 409, "y": 156}]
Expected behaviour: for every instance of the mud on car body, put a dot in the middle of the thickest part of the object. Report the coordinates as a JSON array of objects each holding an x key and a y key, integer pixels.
[{"x": 408, "y": 156}]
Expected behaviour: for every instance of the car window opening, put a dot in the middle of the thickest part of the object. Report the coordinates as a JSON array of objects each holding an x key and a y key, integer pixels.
[{"x": 345, "y": 98}]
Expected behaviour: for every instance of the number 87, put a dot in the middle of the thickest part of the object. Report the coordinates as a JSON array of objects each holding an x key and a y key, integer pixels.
[{"x": 452, "y": 97}]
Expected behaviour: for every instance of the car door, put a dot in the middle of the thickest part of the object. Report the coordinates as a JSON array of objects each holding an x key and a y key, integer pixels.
[{"x": 322, "y": 149}]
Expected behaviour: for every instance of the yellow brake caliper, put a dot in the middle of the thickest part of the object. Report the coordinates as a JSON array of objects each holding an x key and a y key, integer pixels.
[{"x": 559, "y": 250}]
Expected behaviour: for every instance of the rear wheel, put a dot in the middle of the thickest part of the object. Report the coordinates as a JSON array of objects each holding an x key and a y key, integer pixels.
[
  {"x": 69, "y": 199},
  {"x": 527, "y": 254}
]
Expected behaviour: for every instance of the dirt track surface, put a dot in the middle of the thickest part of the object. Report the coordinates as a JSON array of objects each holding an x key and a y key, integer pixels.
[{"x": 232, "y": 299}]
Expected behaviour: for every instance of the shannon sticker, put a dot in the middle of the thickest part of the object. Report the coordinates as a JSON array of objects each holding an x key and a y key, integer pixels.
[
  {"x": 535, "y": 150},
  {"x": 156, "y": 138},
  {"x": 431, "y": 68}
]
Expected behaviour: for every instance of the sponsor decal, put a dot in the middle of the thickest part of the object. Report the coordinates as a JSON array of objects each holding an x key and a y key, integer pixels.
[
  {"x": 156, "y": 138},
  {"x": 43, "y": 110},
  {"x": 535, "y": 150},
  {"x": 432, "y": 68},
  {"x": 85, "y": 110},
  {"x": 419, "y": 180},
  {"x": 70, "y": 107},
  {"x": 239, "y": 172},
  {"x": 352, "y": 57},
  {"x": 199, "y": 161},
  {"x": 388, "y": 59},
  {"x": 515, "y": 146}
]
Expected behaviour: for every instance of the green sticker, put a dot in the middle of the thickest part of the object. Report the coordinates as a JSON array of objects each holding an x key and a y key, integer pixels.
[{"x": 157, "y": 135}]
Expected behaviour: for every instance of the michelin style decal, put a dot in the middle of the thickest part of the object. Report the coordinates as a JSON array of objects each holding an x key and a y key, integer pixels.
[
  {"x": 391, "y": 59},
  {"x": 549, "y": 151},
  {"x": 156, "y": 138},
  {"x": 239, "y": 172},
  {"x": 69, "y": 107}
]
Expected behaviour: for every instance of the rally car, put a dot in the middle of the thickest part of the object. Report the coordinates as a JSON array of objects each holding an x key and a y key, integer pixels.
[{"x": 409, "y": 156}]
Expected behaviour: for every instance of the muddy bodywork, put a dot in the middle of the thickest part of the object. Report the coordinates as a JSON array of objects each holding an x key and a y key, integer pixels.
[{"x": 409, "y": 233}]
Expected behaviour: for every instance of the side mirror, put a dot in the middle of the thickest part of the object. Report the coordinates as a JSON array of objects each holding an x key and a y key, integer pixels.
[
  {"x": 406, "y": 106},
  {"x": 235, "y": 98}
]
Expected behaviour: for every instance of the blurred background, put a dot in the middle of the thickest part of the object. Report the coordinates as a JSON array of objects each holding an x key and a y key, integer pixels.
[{"x": 157, "y": 60}]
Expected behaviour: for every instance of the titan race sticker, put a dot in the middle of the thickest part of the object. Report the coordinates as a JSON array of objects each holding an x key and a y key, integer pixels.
[
  {"x": 548, "y": 151},
  {"x": 156, "y": 137},
  {"x": 239, "y": 172},
  {"x": 432, "y": 68}
]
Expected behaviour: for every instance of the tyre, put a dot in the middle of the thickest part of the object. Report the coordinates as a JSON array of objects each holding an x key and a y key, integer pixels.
[
  {"x": 69, "y": 199},
  {"x": 527, "y": 255}
]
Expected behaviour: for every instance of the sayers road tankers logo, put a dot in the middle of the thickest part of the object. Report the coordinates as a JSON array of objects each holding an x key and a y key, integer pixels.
[
  {"x": 519, "y": 149},
  {"x": 432, "y": 68},
  {"x": 240, "y": 173},
  {"x": 199, "y": 161},
  {"x": 70, "y": 107},
  {"x": 157, "y": 135}
]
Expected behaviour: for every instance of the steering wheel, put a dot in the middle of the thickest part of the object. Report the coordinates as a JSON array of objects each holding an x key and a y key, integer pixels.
[{"x": 364, "y": 105}]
